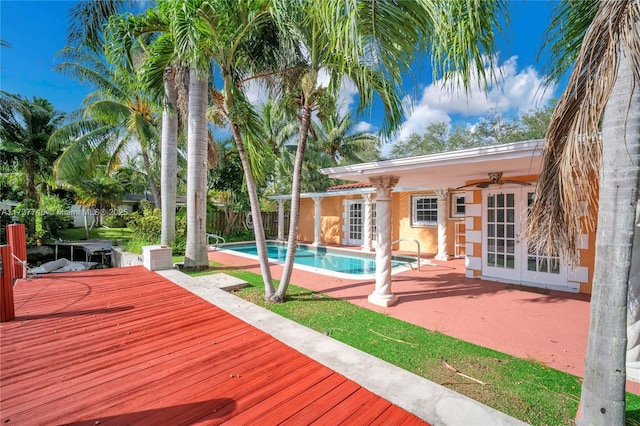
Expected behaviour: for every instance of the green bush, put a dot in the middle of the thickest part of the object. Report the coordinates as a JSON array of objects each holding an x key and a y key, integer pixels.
[
  {"x": 115, "y": 221},
  {"x": 146, "y": 227}
]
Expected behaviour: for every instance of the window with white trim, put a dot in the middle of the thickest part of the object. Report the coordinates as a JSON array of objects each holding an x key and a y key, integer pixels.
[
  {"x": 457, "y": 205},
  {"x": 424, "y": 210}
]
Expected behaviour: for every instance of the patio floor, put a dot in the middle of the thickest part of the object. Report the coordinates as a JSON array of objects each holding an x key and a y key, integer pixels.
[
  {"x": 551, "y": 328},
  {"x": 127, "y": 346}
]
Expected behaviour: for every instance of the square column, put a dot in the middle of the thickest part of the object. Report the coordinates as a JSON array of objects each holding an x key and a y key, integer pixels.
[
  {"x": 317, "y": 220},
  {"x": 443, "y": 217},
  {"x": 382, "y": 295},
  {"x": 281, "y": 219}
]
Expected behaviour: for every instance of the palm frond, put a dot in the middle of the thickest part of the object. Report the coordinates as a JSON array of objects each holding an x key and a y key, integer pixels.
[{"x": 572, "y": 155}]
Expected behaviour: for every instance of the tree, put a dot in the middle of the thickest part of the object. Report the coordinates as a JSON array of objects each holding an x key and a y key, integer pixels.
[
  {"x": 25, "y": 127},
  {"x": 334, "y": 135},
  {"x": 603, "y": 38},
  {"x": 98, "y": 193},
  {"x": 240, "y": 38},
  {"x": 441, "y": 137},
  {"x": 372, "y": 43},
  {"x": 115, "y": 119}
]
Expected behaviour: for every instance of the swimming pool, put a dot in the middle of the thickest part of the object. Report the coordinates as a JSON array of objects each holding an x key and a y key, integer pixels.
[{"x": 323, "y": 260}]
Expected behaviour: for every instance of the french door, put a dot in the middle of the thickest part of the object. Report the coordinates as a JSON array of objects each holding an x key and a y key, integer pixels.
[
  {"x": 355, "y": 222},
  {"x": 505, "y": 254}
]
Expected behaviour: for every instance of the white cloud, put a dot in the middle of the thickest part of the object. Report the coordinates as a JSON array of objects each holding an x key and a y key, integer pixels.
[
  {"x": 363, "y": 126},
  {"x": 515, "y": 91}
]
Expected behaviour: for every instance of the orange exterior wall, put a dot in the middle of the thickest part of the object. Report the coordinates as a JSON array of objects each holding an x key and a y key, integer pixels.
[{"x": 331, "y": 223}]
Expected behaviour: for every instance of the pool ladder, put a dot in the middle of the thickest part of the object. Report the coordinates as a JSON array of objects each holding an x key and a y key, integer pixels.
[
  {"x": 417, "y": 244},
  {"x": 218, "y": 240}
]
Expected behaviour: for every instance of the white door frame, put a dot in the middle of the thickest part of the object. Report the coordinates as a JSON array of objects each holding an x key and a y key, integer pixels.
[
  {"x": 353, "y": 222},
  {"x": 505, "y": 255}
]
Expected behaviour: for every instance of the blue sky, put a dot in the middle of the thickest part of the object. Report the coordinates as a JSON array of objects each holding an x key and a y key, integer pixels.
[{"x": 37, "y": 31}]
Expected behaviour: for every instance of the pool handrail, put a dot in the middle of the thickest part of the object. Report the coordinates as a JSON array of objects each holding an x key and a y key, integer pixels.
[
  {"x": 417, "y": 244},
  {"x": 217, "y": 239}
]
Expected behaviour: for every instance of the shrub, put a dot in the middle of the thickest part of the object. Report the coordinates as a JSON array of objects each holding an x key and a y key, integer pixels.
[{"x": 115, "y": 221}]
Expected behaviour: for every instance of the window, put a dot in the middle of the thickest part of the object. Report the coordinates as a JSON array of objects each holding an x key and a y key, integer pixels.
[
  {"x": 424, "y": 211},
  {"x": 457, "y": 205}
]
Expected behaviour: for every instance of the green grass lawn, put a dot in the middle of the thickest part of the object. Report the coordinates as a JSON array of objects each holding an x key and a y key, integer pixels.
[
  {"x": 525, "y": 389},
  {"x": 116, "y": 235}
]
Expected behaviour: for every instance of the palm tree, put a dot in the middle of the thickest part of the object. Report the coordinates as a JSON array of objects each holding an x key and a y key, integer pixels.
[
  {"x": 98, "y": 193},
  {"x": 336, "y": 138},
  {"x": 603, "y": 38},
  {"x": 25, "y": 127},
  {"x": 240, "y": 39},
  {"x": 160, "y": 76},
  {"x": 372, "y": 43},
  {"x": 116, "y": 118}
]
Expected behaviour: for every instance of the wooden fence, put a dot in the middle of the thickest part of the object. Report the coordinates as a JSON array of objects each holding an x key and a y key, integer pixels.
[{"x": 217, "y": 223}]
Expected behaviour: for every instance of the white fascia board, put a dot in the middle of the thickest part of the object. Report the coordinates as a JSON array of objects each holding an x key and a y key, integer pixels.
[
  {"x": 355, "y": 191},
  {"x": 482, "y": 154}
]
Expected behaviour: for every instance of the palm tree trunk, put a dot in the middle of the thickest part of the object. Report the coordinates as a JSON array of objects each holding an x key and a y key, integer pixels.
[
  {"x": 152, "y": 183},
  {"x": 305, "y": 122},
  {"x": 603, "y": 390},
  {"x": 32, "y": 193},
  {"x": 258, "y": 227},
  {"x": 169, "y": 159},
  {"x": 196, "y": 255}
]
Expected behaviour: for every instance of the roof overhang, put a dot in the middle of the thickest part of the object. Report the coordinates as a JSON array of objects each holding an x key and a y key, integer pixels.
[{"x": 450, "y": 169}]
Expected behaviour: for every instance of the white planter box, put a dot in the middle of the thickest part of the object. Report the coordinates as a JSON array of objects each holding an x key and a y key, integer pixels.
[{"x": 156, "y": 258}]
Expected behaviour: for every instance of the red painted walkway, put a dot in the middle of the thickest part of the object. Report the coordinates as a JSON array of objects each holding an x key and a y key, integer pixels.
[
  {"x": 551, "y": 328},
  {"x": 126, "y": 346}
]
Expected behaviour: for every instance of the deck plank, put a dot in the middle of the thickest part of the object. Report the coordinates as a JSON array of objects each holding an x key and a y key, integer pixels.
[{"x": 126, "y": 346}]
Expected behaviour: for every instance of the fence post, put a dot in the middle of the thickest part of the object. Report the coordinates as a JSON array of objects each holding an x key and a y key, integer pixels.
[
  {"x": 7, "y": 310},
  {"x": 16, "y": 238}
]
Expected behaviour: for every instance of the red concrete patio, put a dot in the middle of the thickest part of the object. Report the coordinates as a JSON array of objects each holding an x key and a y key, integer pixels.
[{"x": 550, "y": 328}]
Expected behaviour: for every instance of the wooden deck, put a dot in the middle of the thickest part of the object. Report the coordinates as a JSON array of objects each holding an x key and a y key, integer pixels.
[{"x": 126, "y": 346}]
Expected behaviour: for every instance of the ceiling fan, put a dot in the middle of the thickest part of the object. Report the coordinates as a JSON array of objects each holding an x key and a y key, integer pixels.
[{"x": 495, "y": 178}]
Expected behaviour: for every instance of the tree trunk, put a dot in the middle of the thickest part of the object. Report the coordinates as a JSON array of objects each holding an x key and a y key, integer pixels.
[
  {"x": 603, "y": 391},
  {"x": 305, "y": 122},
  {"x": 169, "y": 159},
  {"x": 258, "y": 227},
  {"x": 633, "y": 307},
  {"x": 152, "y": 183},
  {"x": 196, "y": 254},
  {"x": 32, "y": 192}
]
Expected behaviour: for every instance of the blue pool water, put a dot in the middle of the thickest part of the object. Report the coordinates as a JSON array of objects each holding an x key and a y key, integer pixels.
[{"x": 345, "y": 263}]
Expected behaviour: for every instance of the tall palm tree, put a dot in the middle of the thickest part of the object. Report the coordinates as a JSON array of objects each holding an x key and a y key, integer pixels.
[
  {"x": 25, "y": 127},
  {"x": 240, "y": 38},
  {"x": 604, "y": 39},
  {"x": 372, "y": 43},
  {"x": 161, "y": 75}
]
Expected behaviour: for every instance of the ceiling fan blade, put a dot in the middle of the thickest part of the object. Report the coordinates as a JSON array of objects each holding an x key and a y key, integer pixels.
[
  {"x": 517, "y": 182},
  {"x": 471, "y": 185},
  {"x": 483, "y": 184}
]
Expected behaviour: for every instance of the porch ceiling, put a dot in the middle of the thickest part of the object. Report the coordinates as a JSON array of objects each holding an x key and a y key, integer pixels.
[{"x": 450, "y": 169}]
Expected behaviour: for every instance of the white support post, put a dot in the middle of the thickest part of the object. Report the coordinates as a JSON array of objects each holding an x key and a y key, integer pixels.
[
  {"x": 368, "y": 221},
  {"x": 281, "y": 219},
  {"x": 382, "y": 295},
  {"x": 443, "y": 215},
  {"x": 317, "y": 220}
]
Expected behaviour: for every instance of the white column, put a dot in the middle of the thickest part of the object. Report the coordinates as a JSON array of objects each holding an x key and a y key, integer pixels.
[
  {"x": 443, "y": 217},
  {"x": 368, "y": 221},
  {"x": 281, "y": 219},
  {"x": 382, "y": 295},
  {"x": 317, "y": 220}
]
